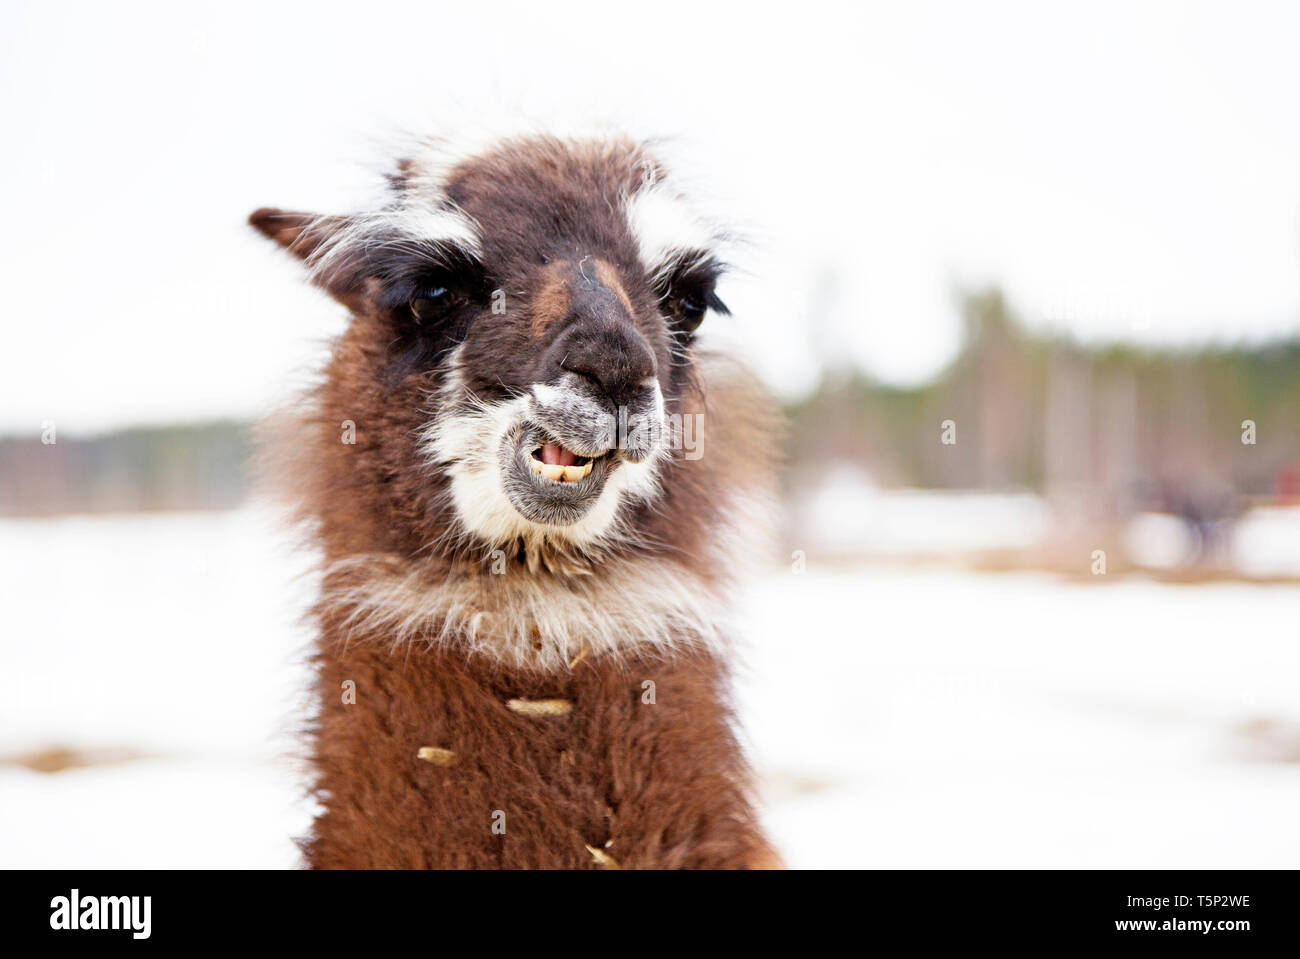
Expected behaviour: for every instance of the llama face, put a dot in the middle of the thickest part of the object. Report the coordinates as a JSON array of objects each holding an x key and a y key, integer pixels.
[{"x": 525, "y": 316}]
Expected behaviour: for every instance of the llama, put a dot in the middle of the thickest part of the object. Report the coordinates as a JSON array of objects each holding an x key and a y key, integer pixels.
[{"x": 523, "y": 644}]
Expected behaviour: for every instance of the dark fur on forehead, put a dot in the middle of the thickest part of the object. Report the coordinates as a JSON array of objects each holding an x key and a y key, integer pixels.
[{"x": 547, "y": 198}]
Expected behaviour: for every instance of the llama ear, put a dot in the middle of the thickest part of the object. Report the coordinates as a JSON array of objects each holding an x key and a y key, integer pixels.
[
  {"x": 300, "y": 233},
  {"x": 303, "y": 234}
]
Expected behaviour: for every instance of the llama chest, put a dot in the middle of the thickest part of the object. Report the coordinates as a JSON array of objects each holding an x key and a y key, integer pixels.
[{"x": 427, "y": 761}]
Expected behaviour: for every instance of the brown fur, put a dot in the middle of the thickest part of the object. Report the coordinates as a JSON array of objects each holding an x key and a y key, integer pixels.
[
  {"x": 654, "y": 785},
  {"x": 551, "y": 302},
  {"x": 644, "y": 785}
]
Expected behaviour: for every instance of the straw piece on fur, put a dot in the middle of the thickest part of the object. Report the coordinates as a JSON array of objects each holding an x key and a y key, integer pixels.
[
  {"x": 603, "y": 859},
  {"x": 437, "y": 755},
  {"x": 541, "y": 707}
]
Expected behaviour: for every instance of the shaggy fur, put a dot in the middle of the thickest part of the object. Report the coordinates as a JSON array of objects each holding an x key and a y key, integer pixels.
[{"x": 540, "y": 678}]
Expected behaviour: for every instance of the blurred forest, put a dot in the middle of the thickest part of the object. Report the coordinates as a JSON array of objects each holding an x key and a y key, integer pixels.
[
  {"x": 193, "y": 466},
  {"x": 1133, "y": 425}
]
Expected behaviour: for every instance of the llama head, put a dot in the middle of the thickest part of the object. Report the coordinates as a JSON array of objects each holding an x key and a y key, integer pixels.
[{"x": 519, "y": 365}]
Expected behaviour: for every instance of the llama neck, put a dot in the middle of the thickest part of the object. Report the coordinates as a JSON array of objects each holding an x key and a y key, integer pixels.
[
  {"x": 526, "y": 621},
  {"x": 441, "y": 759}
]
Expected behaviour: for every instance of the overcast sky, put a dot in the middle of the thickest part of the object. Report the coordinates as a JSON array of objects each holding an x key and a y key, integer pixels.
[{"x": 1124, "y": 171}]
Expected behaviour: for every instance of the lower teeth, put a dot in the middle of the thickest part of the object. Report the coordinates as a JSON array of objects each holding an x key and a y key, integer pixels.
[{"x": 561, "y": 474}]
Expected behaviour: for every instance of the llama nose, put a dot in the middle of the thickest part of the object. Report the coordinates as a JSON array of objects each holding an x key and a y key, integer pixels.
[{"x": 617, "y": 359}]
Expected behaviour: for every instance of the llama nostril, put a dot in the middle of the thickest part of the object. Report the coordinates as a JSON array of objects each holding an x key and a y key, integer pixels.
[{"x": 588, "y": 375}]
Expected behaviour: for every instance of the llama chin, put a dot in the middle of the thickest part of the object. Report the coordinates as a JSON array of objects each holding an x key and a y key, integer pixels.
[{"x": 527, "y": 552}]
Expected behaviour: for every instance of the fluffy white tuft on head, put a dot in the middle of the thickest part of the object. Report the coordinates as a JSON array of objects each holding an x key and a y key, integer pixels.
[
  {"x": 435, "y": 232},
  {"x": 665, "y": 226},
  {"x": 430, "y": 161}
]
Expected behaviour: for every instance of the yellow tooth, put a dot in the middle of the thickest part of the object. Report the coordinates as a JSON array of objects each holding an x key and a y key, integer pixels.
[
  {"x": 586, "y": 470},
  {"x": 573, "y": 473},
  {"x": 552, "y": 471},
  {"x": 536, "y": 465}
]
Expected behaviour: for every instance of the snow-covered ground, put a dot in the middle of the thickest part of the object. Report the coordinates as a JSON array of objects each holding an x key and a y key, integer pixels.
[
  {"x": 965, "y": 720},
  {"x": 175, "y": 635},
  {"x": 899, "y": 719}
]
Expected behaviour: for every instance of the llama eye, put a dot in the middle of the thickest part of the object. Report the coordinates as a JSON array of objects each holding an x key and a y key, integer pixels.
[
  {"x": 430, "y": 304},
  {"x": 691, "y": 310}
]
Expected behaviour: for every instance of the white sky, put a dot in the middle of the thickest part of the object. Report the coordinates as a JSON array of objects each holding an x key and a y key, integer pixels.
[{"x": 1122, "y": 170}]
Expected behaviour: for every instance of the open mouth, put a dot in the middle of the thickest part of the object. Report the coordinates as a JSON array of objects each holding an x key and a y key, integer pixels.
[
  {"x": 549, "y": 482},
  {"x": 557, "y": 463}
]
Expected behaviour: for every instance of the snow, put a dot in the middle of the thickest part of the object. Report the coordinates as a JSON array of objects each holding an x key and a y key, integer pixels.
[
  {"x": 1158, "y": 541},
  {"x": 1267, "y": 542},
  {"x": 847, "y": 515},
  {"x": 898, "y": 719},
  {"x": 976, "y": 721},
  {"x": 174, "y": 635}
]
